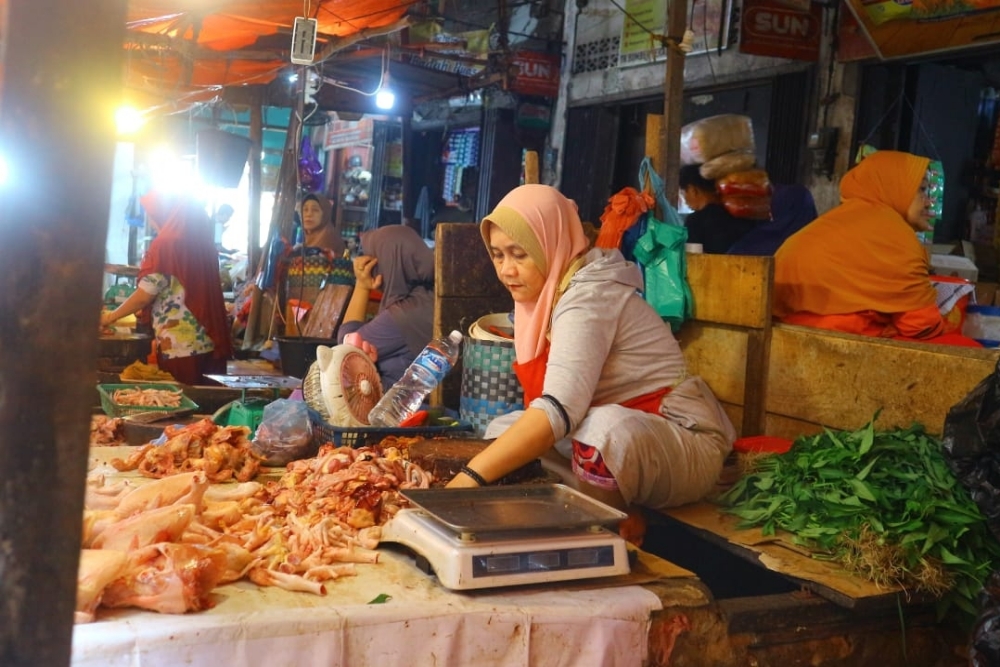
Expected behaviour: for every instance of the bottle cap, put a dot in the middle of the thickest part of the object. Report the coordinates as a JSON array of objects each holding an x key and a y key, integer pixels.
[{"x": 455, "y": 336}]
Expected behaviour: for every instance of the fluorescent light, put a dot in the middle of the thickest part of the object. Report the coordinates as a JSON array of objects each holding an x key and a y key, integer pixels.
[{"x": 385, "y": 99}]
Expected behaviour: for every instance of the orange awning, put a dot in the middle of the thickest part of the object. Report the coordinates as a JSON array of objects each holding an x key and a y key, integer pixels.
[{"x": 187, "y": 50}]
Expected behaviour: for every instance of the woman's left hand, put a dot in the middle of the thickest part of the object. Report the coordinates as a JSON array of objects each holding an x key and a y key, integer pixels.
[{"x": 363, "y": 267}]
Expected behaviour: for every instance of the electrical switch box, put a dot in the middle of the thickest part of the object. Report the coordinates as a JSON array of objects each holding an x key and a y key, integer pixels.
[
  {"x": 303, "y": 40},
  {"x": 823, "y": 148}
]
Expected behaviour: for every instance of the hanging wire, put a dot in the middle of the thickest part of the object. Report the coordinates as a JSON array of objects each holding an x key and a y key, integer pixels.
[
  {"x": 916, "y": 120},
  {"x": 384, "y": 72},
  {"x": 634, "y": 19},
  {"x": 393, "y": 8},
  {"x": 831, "y": 29},
  {"x": 708, "y": 50},
  {"x": 680, "y": 44}
]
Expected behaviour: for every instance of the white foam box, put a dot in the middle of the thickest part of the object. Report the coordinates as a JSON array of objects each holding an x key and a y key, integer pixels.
[{"x": 954, "y": 265}]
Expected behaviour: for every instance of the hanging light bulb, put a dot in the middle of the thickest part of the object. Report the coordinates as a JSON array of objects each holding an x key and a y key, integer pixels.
[{"x": 385, "y": 98}]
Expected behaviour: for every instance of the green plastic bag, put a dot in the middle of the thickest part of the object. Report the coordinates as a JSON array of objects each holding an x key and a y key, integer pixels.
[{"x": 661, "y": 253}]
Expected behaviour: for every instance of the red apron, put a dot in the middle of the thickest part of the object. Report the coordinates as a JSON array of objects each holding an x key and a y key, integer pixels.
[{"x": 532, "y": 378}]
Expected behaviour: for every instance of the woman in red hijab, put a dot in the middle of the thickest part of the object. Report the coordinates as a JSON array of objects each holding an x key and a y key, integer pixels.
[{"x": 179, "y": 282}]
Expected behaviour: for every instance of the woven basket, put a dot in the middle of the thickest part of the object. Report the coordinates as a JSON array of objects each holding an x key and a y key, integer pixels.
[{"x": 489, "y": 386}]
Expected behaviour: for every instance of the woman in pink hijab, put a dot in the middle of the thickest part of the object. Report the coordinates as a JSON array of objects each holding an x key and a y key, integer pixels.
[{"x": 604, "y": 380}]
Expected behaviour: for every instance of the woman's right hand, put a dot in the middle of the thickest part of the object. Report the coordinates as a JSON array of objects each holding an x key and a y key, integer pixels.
[{"x": 363, "y": 267}]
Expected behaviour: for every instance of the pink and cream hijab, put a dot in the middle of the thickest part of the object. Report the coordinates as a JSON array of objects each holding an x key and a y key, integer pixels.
[{"x": 546, "y": 224}]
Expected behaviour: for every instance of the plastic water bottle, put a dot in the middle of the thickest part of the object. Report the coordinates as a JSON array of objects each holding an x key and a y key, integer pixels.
[{"x": 404, "y": 398}]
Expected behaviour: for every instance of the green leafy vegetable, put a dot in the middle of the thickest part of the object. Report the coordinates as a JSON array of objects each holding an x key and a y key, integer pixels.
[
  {"x": 381, "y": 598},
  {"x": 884, "y": 504}
]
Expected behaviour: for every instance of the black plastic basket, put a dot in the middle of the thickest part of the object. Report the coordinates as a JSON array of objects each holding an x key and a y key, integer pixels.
[{"x": 359, "y": 436}]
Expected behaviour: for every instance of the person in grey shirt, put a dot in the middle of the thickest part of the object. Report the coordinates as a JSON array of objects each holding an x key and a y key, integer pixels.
[
  {"x": 397, "y": 262},
  {"x": 604, "y": 379}
]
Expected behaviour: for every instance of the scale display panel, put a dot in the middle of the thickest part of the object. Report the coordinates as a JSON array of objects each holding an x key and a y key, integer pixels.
[{"x": 544, "y": 561}]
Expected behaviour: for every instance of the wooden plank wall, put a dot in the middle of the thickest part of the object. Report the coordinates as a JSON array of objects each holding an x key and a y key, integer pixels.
[
  {"x": 465, "y": 289},
  {"x": 823, "y": 378},
  {"x": 782, "y": 380},
  {"x": 788, "y": 381},
  {"x": 728, "y": 340}
]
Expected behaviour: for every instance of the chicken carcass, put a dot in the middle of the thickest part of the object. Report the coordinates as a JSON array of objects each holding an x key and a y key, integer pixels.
[
  {"x": 97, "y": 569},
  {"x": 185, "y": 488},
  {"x": 164, "y": 524},
  {"x": 168, "y": 578}
]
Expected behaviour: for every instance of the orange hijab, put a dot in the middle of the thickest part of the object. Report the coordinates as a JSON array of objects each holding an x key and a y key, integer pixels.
[
  {"x": 861, "y": 255},
  {"x": 546, "y": 224}
]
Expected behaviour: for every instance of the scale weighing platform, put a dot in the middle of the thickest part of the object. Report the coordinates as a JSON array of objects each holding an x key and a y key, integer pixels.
[{"x": 509, "y": 535}]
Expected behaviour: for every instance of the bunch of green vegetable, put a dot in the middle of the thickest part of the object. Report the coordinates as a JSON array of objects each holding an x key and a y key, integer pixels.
[{"x": 883, "y": 503}]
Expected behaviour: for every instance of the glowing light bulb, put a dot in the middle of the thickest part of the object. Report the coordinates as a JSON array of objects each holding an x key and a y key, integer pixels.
[
  {"x": 385, "y": 99},
  {"x": 128, "y": 120}
]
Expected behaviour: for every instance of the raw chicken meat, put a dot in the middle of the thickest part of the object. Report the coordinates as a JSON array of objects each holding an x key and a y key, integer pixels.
[
  {"x": 183, "y": 489},
  {"x": 168, "y": 578},
  {"x": 97, "y": 569},
  {"x": 165, "y": 524}
]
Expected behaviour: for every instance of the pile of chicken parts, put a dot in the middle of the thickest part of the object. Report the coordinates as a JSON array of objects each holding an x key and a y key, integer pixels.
[{"x": 164, "y": 545}]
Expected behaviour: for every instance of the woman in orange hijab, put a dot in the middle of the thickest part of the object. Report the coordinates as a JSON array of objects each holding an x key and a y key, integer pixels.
[{"x": 860, "y": 267}]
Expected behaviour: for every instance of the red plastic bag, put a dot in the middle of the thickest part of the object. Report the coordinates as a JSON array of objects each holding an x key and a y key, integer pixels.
[
  {"x": 741, "y": 206},
  {"x": 749, "y": 183}
]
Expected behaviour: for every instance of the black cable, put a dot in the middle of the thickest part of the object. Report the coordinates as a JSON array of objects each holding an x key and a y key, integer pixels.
[
  {"x": 634, "y": 19},
  {"x": 326, "y": 9},
  {"x": 708, "y": 51},
  {"x": 480, "y": 26}
]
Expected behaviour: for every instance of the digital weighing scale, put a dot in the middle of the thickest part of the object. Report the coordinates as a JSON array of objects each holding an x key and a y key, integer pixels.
[{"x": 509, "y": 535}]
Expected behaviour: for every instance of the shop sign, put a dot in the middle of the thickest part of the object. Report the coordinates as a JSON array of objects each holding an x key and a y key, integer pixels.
[
  {"x": 637, "y": 45},
  {"x": 770, "y": 28},
  {"x": 852, "y": 41},
  {"x": 646, "y": 21},
  {"x": 537, "y": 74},
  {"x": 899, "y": 28},
  {"x": 534, "y": 116},
  {"x": 798, "y": 5},
  {"x": 343, "y": 133}
]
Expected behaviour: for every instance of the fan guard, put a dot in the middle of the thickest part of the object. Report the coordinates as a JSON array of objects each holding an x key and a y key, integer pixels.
[{"x": 350, "y": 385}]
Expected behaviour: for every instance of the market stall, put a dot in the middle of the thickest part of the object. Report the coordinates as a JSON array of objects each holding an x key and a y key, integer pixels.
[
  {"x": 605, "y": 624},
  {"x": 391, "y": 612}
]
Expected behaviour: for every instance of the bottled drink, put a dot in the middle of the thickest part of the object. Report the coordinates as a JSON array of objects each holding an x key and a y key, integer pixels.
[{"x": 404, "y": 398}]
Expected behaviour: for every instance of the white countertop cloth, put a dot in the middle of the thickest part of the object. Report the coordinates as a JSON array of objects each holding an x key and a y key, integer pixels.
[{"x": 422, "y": 624}]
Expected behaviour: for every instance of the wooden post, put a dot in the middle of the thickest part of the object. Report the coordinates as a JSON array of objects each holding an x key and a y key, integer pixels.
[
  {"x": 256, "y": 179},
  {"x": 673, "y": 101},
  {"x": 531, "y": 167},
  {"x": 61, "y": 82},
  {"x": 654, "y": 149}
]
